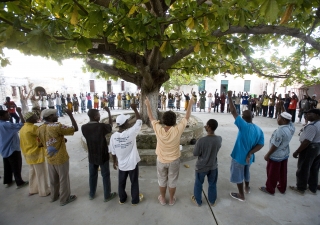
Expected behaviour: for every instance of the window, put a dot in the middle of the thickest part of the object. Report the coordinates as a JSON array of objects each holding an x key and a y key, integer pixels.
[
  {"x": 109, "y": 89},
  {"x": 14, "y": 91},
  {"x": 122, "y": 85},
  {"x": 247, "y": 86},
  {"x": 92, "y": 86}
]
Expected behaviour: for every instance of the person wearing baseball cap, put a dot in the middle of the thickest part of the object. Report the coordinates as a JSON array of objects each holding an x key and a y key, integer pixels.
[
  {"x": 34, "y": 155},
  {"x": 51, "y": 135},
  {"x": 278, "y": 154},
  {"x": 123, "y": 146},
  {"x": 309, "y": 155}
]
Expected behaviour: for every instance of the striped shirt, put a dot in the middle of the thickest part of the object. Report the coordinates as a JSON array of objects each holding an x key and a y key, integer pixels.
[{"x": 311, "y": 132}]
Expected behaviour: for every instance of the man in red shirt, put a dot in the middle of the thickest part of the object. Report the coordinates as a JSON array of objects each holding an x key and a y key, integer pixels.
[
  {"x": 11, "y": 107},
  {"x": 292, "y": 107}
]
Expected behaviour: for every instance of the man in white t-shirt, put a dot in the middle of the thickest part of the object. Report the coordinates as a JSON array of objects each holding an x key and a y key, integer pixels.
[{"x": 123, "y": 145}]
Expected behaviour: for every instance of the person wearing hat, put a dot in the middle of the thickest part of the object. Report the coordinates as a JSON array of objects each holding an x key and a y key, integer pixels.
[
  {"x": 34, "y": 155},
  {"x": 308, "y": 154},
  {"x": 95, "y": 134},
  {"x": 278, "y": 154},
  {"x": 51, "y": 135},
  {"x": 168, "y": 150},
  {"x": 250, "y": 139},
  {"x": 123, "y": 145},
  {"x": 10, "y": 149}
]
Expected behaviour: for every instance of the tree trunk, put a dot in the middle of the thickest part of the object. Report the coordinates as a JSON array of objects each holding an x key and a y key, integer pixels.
[{"x": 153, "y": 98}]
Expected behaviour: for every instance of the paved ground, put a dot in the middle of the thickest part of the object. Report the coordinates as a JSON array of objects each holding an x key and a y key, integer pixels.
[{"x": 17, "y": 208}]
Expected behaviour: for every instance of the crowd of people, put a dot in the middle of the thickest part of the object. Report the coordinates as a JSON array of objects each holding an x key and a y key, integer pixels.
[{"x": 45, "y": 150}]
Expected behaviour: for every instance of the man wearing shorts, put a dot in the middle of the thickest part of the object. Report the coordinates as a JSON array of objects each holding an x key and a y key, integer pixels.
[
  {"x": 250, "y": 139},
  {"x": 167, "y": 150}
]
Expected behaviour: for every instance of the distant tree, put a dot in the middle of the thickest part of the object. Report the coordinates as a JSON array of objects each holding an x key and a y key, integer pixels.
[{"x": 145, "y": 41}]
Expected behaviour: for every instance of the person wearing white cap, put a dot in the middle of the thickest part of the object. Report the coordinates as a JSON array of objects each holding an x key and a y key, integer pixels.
[
  {"x": 123, "y": 146},
  {"x": 34, "y": 155},
  {"x": 51, "y": 135},
  {"x": 278, "y": 154}
]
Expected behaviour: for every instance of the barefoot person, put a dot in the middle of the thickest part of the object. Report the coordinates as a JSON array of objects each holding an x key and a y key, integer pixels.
[
  {"x": 167, "y": 150},
  {"x": 250, "y": 139},
  {"x": 95, "y": 133},
  {"x": 51, "y": 135},
  {"x": 123, "y": 147},
  {"x": 206, "y": 149}
]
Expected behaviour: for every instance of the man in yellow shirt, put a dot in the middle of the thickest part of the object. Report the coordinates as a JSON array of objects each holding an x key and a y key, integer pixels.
[
  {"x": 34, "y": 156},
  {"x": 168, "y": 150},
  {"x": 51, "y": 135}
]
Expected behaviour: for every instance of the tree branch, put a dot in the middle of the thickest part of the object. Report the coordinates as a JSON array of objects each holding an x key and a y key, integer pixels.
[
  {"x": 112, "y": 70},
  {"x": 104, "y": 3},
  {"x": 168, "y": 62},
  {"x": 130, "y": 58},
  {"x": 258, "y": 71},
  {"x": 81, "y": 7},
  {"x": 268, "y": 29},
  {"x": 156, "y": 8}
]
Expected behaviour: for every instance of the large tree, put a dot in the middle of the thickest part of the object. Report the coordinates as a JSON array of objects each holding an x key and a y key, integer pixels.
[{"x": 146, "y": 41}]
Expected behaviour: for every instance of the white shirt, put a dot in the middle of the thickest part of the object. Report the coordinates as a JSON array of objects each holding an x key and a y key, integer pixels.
[
  {"x": 58, "y": 100},
  {"x": 44, "y": 102},
  {"x": 124, "y": 146}
]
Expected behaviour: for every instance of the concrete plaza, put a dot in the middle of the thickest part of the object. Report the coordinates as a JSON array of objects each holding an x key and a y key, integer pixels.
[{"x": 16, "y": 207}]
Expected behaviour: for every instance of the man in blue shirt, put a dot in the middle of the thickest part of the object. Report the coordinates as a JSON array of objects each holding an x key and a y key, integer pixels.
[
  {"x": 250, "y": 139},
  {"x": 244, "y": 102},
  {"x": 10, "y": 149}
]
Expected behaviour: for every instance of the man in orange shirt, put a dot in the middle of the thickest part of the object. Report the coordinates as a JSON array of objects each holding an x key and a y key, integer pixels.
[
  {"x": 168, "y": 149},
  {"x": 293, "y": 106}
]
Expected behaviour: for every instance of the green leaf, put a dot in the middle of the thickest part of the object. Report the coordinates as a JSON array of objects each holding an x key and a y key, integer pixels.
[
  {"x": 168, "y": 2},
  {"x": 95, "y": 17},
  {"x": 84, "y": 44}
]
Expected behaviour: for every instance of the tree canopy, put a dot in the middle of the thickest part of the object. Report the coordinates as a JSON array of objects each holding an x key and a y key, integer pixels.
[{"x": 147, "y": 41}]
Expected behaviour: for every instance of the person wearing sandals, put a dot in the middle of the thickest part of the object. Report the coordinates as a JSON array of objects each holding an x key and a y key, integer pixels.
[
  {"x": 51, "y": 135},
  {"x": 123, "y": 147},
  {"x": 98, "y": 155},
  {"x": 308, "y": 154},
  {"x": 10, "y": 149},
  {"x": 206, "y": 149},
  {"x": 34, "y": 155},
  {"x": 250, "y": 139},
  {"x": 278, "y": 154},
  {"x": 168, "y": 150}
]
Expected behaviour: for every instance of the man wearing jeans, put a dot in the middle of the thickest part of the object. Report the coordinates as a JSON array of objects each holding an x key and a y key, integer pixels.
[
  {"x": 207, "y": 149},
  {"x": 250, "y": 139},
  {"x": 123, "y": 145},
  {"x": 58, "y": 104},
  {"x": 95, "y": 135}
]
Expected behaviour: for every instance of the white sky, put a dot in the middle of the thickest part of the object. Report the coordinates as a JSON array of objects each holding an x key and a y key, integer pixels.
[{"x": 36, "y": 66}]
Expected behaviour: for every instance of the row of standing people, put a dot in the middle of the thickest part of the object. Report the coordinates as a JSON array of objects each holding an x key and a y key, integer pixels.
[{"x": 250, "y": 140}]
